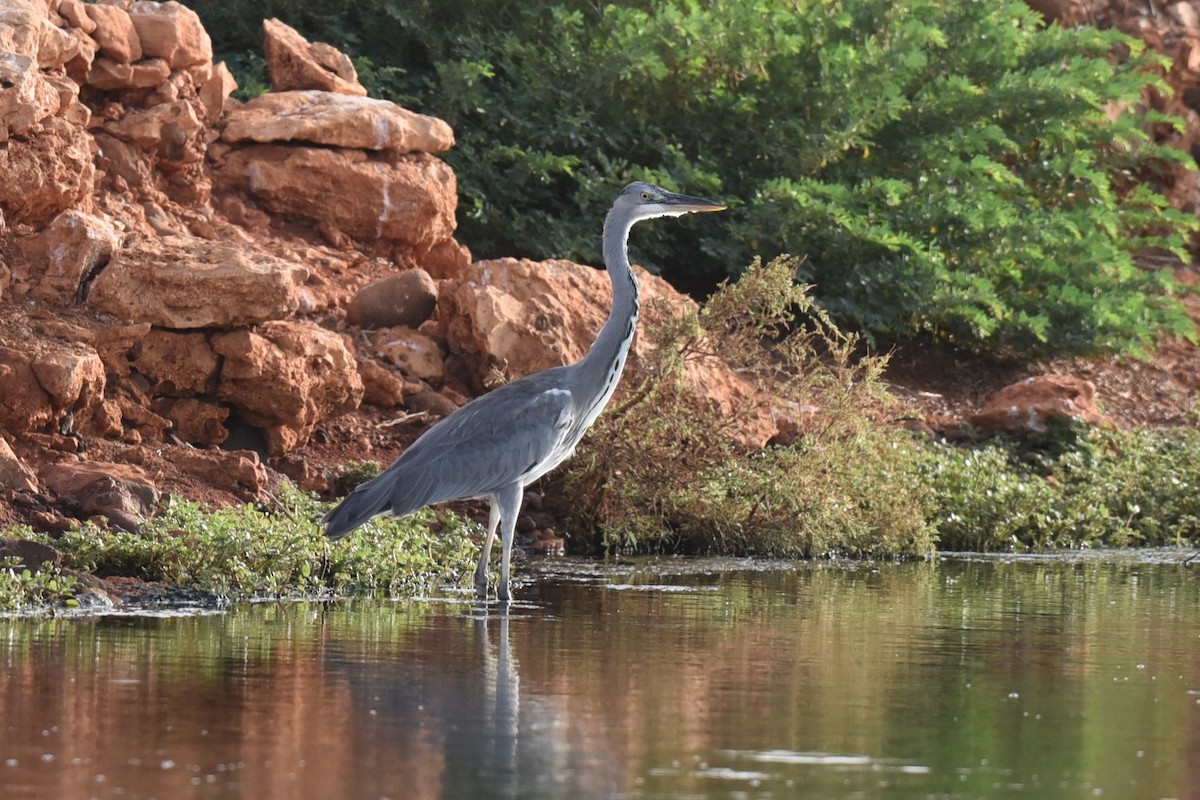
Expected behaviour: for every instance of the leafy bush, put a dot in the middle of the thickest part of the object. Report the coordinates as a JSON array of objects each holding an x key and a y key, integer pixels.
[
  {"x": 947, "y": 169},
  {"x": 22, "y": 586},
  {"x": 659, "y": 470},
  {"x": 248, "y": 551},
  {"x": 1107, "y": 487}
]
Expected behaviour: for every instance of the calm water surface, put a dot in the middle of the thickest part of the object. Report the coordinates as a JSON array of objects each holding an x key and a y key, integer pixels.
[{"x": 663, "y": 679}]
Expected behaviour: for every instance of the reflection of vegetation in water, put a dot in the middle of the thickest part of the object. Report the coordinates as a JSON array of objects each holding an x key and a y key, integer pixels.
[
  {"x": 946, "y": 665},
  {"x": 976, "y": 671}
]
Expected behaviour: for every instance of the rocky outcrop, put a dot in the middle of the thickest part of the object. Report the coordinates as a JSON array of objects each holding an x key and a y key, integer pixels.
[
  {"x": 295, "y": 63},
  {"x": 335, "y": 120},
  {"x": 517, "y": 317},
  {"x": 285, "y": 377},
  {"x": 1035, "y": 404},
  {"x": 137, "y": 307},
  {"x": 407, "y": 200},
  {"x": 187, "y": 282}
]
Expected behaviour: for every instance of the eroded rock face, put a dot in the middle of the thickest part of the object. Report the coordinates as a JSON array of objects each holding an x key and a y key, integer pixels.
[
  {"x": 15, "y": 474},
  {"x": 178, "y": 363},
  {"x": 171, "y": 32},
  {"x": 1034, "y": 404},
  {"x": 114, "y": 32},
  {"x": 183, "y": 283},
  {"x": 295, "y": 63},
  {"x": 336, "y": 120},
  {"x": 25, "y": 96},
  {"x": 285, "y": 377},
  {"x": 407, "y": 199},
  {"x": 521, "y": 317},
  {"x": 47, "y": 379},
  {"x": 54, "y": 169},
  {"x": 417, "y": 356},
  {"x": 70, "y": 248}
]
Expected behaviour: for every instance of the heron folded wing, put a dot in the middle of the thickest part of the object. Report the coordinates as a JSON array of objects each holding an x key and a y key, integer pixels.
[{"x": 494, "y": 442}]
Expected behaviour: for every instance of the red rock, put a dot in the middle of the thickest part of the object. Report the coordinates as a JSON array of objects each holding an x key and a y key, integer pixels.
[
  {"x": 214, "y": 92},
  {"x": 295, "y": 63},
  {"x": 20, "y": 28},
  {"x": 197, "y": 422},
  {"x": 286, "y": 377},
  {"x": 172, "y": 32},
  {"x": 178, "y": 363},
  {"x": 417, "y": 356},
  {"x": 46, "y": 173},
  {"x": 108, "y": 75},
  {"x": 162, "y": 129},
  {"x": 15, "y": 475},
  {"x": 233, "y": 469},
  {"x": 380, "y": 387},
  {"x": 71, "y": 374},
  {"x": 182, "y": 282},
  {"x": 55, "y": 47},
  {"x": 115, "y": 33},
  {"x": 335, "y": 120},
  {"x": 446, "y": 260},
  {"x": 25, "y": 97},
  {"x": 103, "y": 487},
  {"x": 408, "y": 199},
  {"x": 44, "y": 379},
  {"x": 1032, "y": 405},
  {"x": 75, "y": 13},
  {"x": 70, "y": 247}
]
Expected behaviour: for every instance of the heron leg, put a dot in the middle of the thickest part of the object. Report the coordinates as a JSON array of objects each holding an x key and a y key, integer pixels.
[
  {"x": 509, "y": 500},
  {"x": 481, "y": 570}
]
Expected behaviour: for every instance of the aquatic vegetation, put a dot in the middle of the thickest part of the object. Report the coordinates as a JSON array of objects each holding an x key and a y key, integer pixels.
[
  {"x": 22, "y": 586},
  {"x": 276, "y": 550}
]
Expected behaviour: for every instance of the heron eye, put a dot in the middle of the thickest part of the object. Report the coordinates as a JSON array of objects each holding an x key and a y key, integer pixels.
[{"x": 645, "y": 195}]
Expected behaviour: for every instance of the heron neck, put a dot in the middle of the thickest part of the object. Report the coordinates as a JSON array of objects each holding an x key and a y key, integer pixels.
[{"x": 606, "y": 358}]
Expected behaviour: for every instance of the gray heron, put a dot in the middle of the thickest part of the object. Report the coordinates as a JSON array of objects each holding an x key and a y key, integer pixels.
[{"x": 502, "y": 441}]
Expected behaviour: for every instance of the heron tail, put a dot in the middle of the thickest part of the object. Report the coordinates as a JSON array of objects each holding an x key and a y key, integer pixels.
[{"x": 368, "y": 500}]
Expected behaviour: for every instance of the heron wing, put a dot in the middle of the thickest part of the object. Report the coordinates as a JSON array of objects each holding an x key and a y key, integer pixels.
[{"x": 496, "y": 440}]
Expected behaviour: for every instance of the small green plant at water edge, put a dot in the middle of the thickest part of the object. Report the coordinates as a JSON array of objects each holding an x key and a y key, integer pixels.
[
  {"x": 1112, "y": 488},
  {"x": 246, "y": 551},
  {"x": 22, "y": 586},
  {"x": 660, "y": 471}
]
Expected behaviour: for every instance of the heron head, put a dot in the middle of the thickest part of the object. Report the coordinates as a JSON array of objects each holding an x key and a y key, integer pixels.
[{"x": 646, "y": 201}]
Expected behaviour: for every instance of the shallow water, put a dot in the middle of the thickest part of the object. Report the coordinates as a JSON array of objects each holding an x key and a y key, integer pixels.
[{"x": 1040, "y": 678}]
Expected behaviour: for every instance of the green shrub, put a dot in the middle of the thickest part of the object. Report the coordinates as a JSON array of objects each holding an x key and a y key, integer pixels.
[
  {"x": 659, "y": 470},
  {"x": 1114, "y": 488},
  {"x": 247, "y": 551},
  {"x": 22, "y": 587},
  {"x": 948, "y": 169}
]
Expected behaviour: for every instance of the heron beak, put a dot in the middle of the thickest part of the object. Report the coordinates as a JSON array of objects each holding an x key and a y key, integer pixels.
[{"x": 683, "y": 204}]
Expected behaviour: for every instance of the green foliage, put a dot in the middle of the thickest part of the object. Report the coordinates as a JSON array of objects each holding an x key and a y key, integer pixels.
[
  {"x": 23, "y": 587},
  {"x": 248, "y": 551},
  {"x": 659, "y": 470},
  {"x": 949, "y": 169},
  {"x": 1107, "y": 487}
]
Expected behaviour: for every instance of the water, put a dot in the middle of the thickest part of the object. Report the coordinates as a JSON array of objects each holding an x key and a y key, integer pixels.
[{"x": 668, "y": 679}]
